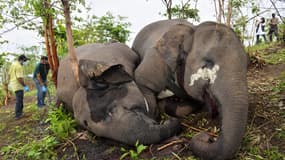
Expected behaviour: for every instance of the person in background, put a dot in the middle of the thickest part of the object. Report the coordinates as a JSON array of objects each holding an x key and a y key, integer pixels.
[
  {"x": 5, "y": 83},
  {"x": 273, "y": 27},
  {"x": 260, "y": 30},
  {"x": 17, "y": 83},
  {"x": 40, "y": 79}
]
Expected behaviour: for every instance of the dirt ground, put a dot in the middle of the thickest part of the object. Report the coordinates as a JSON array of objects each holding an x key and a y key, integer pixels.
[{"x": 264, "y": 118}]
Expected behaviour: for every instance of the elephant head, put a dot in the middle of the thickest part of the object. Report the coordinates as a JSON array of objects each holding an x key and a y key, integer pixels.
[
  {"x": 215, "y": 73},
  {"x": 108, "y": 102}
]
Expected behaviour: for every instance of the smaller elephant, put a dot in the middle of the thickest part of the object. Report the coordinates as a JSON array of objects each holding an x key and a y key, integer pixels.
[
  {"x": 206, "y": 63},
  {"x": 106, "y": 100}
]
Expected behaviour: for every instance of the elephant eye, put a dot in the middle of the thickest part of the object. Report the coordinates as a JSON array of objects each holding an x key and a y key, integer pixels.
[{"x": 208, "y": 63}]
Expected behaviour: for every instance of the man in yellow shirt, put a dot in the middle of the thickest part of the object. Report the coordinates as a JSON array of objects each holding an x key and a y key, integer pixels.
[{"x": 17, "y": 84}]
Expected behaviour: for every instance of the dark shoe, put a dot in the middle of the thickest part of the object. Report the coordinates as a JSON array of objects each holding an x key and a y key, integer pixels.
[{"x": 17, "y": 118}]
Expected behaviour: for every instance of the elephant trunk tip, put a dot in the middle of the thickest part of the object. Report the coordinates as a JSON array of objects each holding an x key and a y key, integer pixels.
[{"x": 203, "y": 146}]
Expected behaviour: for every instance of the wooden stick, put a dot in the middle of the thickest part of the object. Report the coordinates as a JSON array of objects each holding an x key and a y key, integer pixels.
[
  {"x": 199, "y": 130},
  {"x": 169, "y": 144}
]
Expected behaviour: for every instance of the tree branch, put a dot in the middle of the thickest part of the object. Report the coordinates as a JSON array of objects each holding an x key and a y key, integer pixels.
[{"x": 17, "y": 25}]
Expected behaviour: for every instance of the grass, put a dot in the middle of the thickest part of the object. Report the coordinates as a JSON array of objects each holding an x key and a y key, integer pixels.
[
  {"x": 268, "y": 52},
  {"x": 280, "y": 87},
  {"x": 29, "y": 140},
  {"x": 275, "y": 58}
]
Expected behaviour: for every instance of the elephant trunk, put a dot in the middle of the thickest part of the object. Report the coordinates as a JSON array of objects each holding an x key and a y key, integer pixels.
[{"x": 233, "y": 107}]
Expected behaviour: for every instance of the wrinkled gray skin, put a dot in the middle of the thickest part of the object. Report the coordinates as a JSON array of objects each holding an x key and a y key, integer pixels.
[
  {"x": 107, "y": 101},
  {"x": 208, "y": 46}
]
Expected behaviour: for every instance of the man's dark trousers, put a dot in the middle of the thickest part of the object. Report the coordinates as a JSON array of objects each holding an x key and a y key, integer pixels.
[{"x": 19, "y": 103}]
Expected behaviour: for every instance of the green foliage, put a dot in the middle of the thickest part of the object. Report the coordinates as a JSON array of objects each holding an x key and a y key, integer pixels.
[
  {"x": 2, "y": 96},
  {"x": 273, "y": 154},
  {"x": 61, "y": 124},
  {"x": 2, "y": 126},
  {"x": 190, "y": 134},
  {"x": 275, "y": 58},
  {"x": 93, "y": 29},
  {"x": 239, "y": 20},
  {"x": 281, "y": 133},
  {"x": 108, "y": 28},
  {"x": 240, "y": 27},
  {"x": 184, "y": 10},
  {"x": 280, "y": 87},
  {"x": 271, "y": 53},
  {"x": 255, "y": 152},
  {"x": 133, "y": 154},
  {"x": 34, "y": 150}
]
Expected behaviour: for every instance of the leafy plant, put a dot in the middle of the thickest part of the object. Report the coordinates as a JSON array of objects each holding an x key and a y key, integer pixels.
[
  {"x": 280, "y": 87},
  {"x": 273, "y": 154},
  {"x": 61, "y": 124},
  {"x": 35, "y": 150},
  {"x": 133, "y": 154},
  {"x": 2, "y": 126}
]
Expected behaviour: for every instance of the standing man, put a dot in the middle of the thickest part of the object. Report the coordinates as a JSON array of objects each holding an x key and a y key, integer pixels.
[
  {"x": 17, "y": 84},
  {"x": 40, "y": 79},
  {"x": 260, "y": 30},
  {"x": 273, "y": 27}
]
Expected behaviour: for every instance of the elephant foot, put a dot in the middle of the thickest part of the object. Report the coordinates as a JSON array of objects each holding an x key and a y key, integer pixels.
[{"x": 177, "y": 107}]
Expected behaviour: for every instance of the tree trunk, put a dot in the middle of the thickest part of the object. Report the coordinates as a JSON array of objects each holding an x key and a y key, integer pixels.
[
  {"x": 219, "y": 19},
  {"x": 53, "y": 52},
  {"x": 230, "y": 12},
  {"x": 50, "y": 44},
  {"x": 168, "y": 5},
  {"x": 50, "y": 61},
  {"x": 71, "y": 50}
]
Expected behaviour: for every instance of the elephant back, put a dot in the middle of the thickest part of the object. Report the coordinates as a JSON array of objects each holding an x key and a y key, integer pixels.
[
  {"x": 111, "y": 53},
  {"x": 149, "y": 36}
]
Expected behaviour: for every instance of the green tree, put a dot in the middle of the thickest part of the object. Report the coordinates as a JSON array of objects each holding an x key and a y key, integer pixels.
[
  {"x": 37, "y": 15},
  {"x": 93, "y": 29},
  {"x": 184, "y": 10}
]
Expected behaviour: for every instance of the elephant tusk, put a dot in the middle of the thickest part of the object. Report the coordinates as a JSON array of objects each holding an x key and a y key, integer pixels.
[
  {"x": 205, "y": 74},
  {"x": 164, "y": 94},
  {"x": 146, "y": 104}
]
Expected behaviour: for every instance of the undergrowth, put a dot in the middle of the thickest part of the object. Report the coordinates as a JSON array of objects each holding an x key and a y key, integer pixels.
[{"x": 27, "y": 146}]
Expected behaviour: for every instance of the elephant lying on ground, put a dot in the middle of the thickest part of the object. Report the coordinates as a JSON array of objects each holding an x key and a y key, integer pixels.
[
  {"x": 207, "y": 62},
  {"x": 107, "y": 101}
]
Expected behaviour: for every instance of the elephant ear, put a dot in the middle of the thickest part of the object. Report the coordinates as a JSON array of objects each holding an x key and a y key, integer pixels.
[
  {"x": 98, "y": 75},
  {"x": 90, "y": 69},
  {"x": 176, "y": 42},
  {"x": 116, "y": 74}
]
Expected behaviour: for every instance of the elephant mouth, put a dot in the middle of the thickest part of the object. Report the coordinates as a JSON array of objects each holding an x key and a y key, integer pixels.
[{"x": 211, "y": 102}]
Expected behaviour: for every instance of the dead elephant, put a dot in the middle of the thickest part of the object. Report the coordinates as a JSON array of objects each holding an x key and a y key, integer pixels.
[
  {"x": 207, "y": 62},
  {"x": 107, "y": 101}
]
